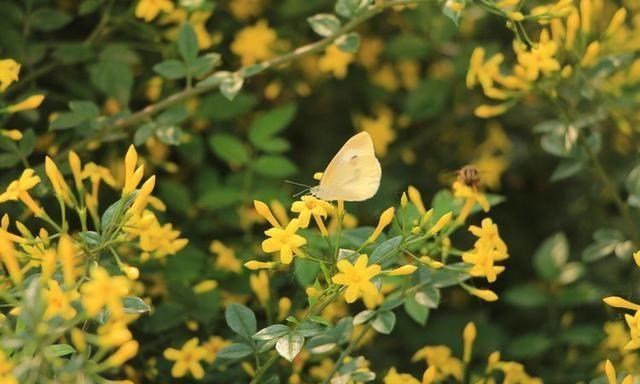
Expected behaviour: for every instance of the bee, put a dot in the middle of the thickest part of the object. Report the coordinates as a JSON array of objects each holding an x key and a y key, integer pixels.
[{"x": 469, "y": 176}]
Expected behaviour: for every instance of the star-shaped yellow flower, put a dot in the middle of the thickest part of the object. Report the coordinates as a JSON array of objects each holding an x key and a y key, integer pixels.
[
  {"x": 285, "y": 241},
  {"x": 357, "y": 278}
]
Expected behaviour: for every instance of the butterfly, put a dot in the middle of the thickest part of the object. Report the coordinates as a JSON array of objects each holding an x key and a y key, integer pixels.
[{"x": 353, "y": 174}]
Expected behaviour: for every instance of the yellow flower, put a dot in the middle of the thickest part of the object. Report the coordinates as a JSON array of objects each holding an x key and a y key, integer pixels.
[
  {"x": 9, "y": 70},
  {"x": 633, "y": 322},
  {"x": 416, "y": 199},
  {"x": 309, "y": 206},
  {"x": 254, "y": 43},
  {"x": 357, "y": 278},
  {"x": 285, "y": 241},
  {"x": 8, "y": 257},
  {"x": 482, "y": 258},
  {"x": 335, "y": 61},
  {"x": 484, "y": 73},
  {"x": 18, "y": 189},
  {"x": 619, "y": 302},
  {"x": 104, "y": 290},
  {"x": 126, "y": 352},
  {"x": 484, "y": 294},
  {"x": 149, "y": 9},
  {"x": 263, "y": 210},
  {"x": 393, "y": 377},
  {"x": 30, "y": 102},
  {"x": 439, "y": 356},
  {"x": 441, "y": 223},
  {"x": 213, "y": 346},
  {"x": 471, "y": 196},
  {"x": 284, "y": 306},
  {"x": 539, "y": 59},
  {"x": 380, "y": 129},
  {"x": 590, "y": 54},
  {"x": 244, "y": 9},
  {"x": 59, "y": 302},
  {"x": 485, "y": 111},
  {"x": 260, "y": 286},
  {"x": 12, "y": 134},
  {"x": 187, "y": 359},
  {"x": 6, "y": 368},
  {"x": 156, "y": 240},
  {"x": 113, "y": 334},
  {"x": 226, "y": 257},
  {"x": 488, "y": 234},
  {"x": 385, "y": 219}
]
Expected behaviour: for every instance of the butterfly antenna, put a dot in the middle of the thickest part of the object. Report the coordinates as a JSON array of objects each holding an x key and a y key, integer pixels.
[
  {"x": 301, "y": 192},
  {"x": 298, "y": 184}
]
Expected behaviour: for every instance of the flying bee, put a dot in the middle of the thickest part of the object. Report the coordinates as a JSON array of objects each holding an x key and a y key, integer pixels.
[{"x": 469, "y": 176}]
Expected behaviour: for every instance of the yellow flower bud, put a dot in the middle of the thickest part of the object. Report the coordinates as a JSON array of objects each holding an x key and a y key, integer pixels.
[
  {"x": 8, "y": 257},
  {"x": 468, "y": 336},
  {"x": 429, "y": 375},
  {"x": 484, "y": 294},
  {"x": 317, "y": 175},
  {"x": 67, "y": 254},
  {"x": 385, "y": 219},
  {"x": 516, "y": 16},
  {"x": 636, "y": 258},
  {"x": 441, "y": 223},
  {"x": 591, "y": 54},
  {"x": 30, "y": 102},
  {"x": 585, "y": 16},
  {"x": 402, "y": 271},
  {"x": 78, "y": 340},
  {"x": 264, "y": 211},
  {"x": 205, "y": 286},
  {"x": 610, "y": 371},
  {"x": 416, "y": 199},
  {"x": 403, "y": 200},
  {"x": 13, "y": 134},
  {"x": 126, "y": 352},
  {"x": 76, "y": 168},
  {"x": 485, "y": 111},
  {"x": 312, "y": 292},
  {"x": 260, "y": 286},
  {"x": 619, "y": 302},
  {"x": 284, "y": 306},
  {"x": 616, "y": 22},
  {"x": 131, "y": 272},
  {"x": 255, "y": 265}
]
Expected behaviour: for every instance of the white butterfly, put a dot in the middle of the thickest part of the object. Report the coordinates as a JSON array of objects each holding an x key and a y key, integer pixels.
[{"x": 353, "y": 174}]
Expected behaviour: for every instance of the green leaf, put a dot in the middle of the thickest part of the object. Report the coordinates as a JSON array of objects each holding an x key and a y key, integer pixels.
[
  {"x": 385, "y": 250},
  {"x": 88, "y": 6},
  {"x": 59, "y": 350},
  {"x": 235, "y": 351},
  {"x": 169, "y": 134},
  {"x": 230, "y": 85},
  {"x": 70, "y": 53},
  {"x": 363, "y": 316},
  {"x": 407, "y": 46},
  {"x": 605, "y": 242},
  {"x": 8, "y": 160},
  {"x": 269, "y": 123},
  {"x": 188, "y": 43},
  {"x": 274, "y": 146},
  {"x": 171, "y": 69},
  {"x": 528, "y": 346},
  {"x": 429, "y": 297},
  {"x": 229, "y": 148},
  {"x": 582, "y": 335},
  {"x": 274, "y": 166},
  {"x": 218, "y": 108},
  {"x": 306, "y": 271},
  {"x": 219, "y": 198},
  {"x": 550, "y": 256},
  {"x": 288, "y": 346},
  {"x": 350, "y": 8},
  {"x": 271, "y": 332},
  {"x": 49, "y": 19},
  {"x": 114, "y": 78},
  {"x": 324, "y": 24},
  {"x": 27, "y": 143},
  {"x": 67, "y": 120},
  {"x": 566, "y": 169},
  {"x": 427, "y": 100},
  {"x": 384, "y": 322},
  {"x": 526, "y": 296},
  {"x": 418, "y": 312},
  {"x": 632, "y": 183},
  {"x": 349, "y": 42},
  {"x": 202, "y": 65},
  {"x": 241, "y": 320},
  {"x": 135, "y": 305},
  {"x": 309, "y": 328}
]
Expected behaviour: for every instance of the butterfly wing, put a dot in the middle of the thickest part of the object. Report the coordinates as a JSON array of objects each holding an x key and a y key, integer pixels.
[{"x": 354, "y": 172}]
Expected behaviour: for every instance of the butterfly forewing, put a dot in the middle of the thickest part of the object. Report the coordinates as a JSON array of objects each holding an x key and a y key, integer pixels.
[{"x": 354, "y": 172}]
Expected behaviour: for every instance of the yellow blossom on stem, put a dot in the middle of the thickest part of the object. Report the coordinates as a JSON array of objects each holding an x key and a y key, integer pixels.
[
  {"x": 104, "y": 290},
  {"x": 619, "y": 302},
  {"x": 187, "y": 359},
  {"x": 213, "y": 346},
  {"x": 60, "y": 186},
  {"x": 284, "y": 306},
  {"x": 539, "y": 59},
  {"x": 385, "y": 219},
  {"x": 6, "y": 369},
  {"x": 285, "y": 241},
  {"x": 254, "y": 43},
  {"x": 149, "y": 9},
  {"x": 8, "y": 257},
  {"x": 488, "y": 234},
  {"x": 429, "y": 375},
  {"x": 9, "y": 70},
  {"x": 636, "y": 258},
  {"x": 310, "y": 206},
  {"x": 30, "y": 102},
  {"x": 12, "y": 134},
  {"x": 67, "y": 253},
  {"x": 335, "y": 61},
  {"x": 393, "y": 377},
  {"x": 126, "y": 352},
  {"x": 226, "y": 257},
  {"x": 633, "y": 322},
  {"x": 439, "y": 356},
  {"x": 483, "y": 258},
  {"x": 264, "y": 211},
  {"x": 471, "y": 196},
  {"x": 484, "y": 294},
  {"x": 255, "y": 265},
  {"x": 18, "y": 189},
  {"x": 59, "y": 302},
  {"x": 357, "y": 277},
  {"x": 76, "y": 169},
  {"x": 113, "y": 334},
  {"x": 416, "y": 198},
  {"x": 468, "y": 337},
  {"x": 402, "y": 271},
  {"x": 205, "y": 286},
  {"x": 132, "y": 175},
  {"x": 441, "y": 223},
  {"x": 260, "y": 286}
]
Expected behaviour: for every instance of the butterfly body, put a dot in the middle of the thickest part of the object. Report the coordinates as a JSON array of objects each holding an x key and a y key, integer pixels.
[{"x": 353, "y": 174}]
